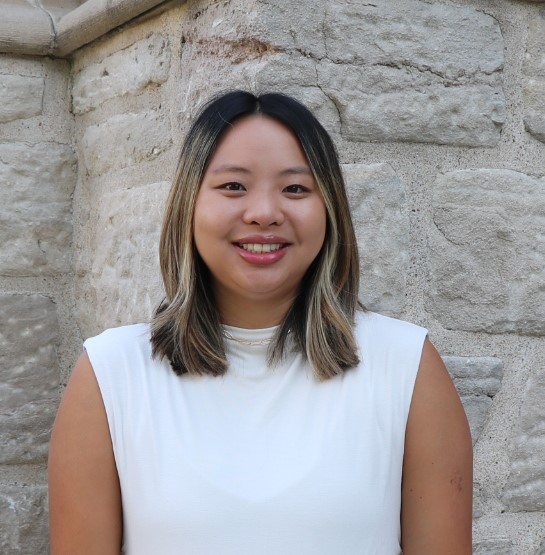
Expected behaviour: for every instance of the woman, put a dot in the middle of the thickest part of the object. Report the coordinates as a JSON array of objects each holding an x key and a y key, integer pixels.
[{"x": 262, "y": 412}]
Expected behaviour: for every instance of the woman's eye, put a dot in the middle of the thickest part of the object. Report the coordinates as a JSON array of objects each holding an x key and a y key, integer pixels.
[
  {"x": 233, "y": 186},
  {"x": 296, "y": 189}
]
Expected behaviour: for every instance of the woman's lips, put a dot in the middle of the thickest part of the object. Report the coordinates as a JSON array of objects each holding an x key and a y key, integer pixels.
[
  {"x": 262, "y": 253},
  {"x": 258, "y": 248}
]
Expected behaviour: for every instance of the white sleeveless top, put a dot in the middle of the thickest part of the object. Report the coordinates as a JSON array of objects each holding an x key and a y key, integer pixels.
[{"x": 261, "y": 461}]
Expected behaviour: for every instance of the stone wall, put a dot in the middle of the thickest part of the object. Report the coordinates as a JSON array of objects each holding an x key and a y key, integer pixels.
[
  {"x": 38, "y": 333},
  {"x": 438, "y": 110}
]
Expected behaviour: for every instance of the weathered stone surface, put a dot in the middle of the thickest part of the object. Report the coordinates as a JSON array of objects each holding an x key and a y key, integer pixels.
[
  {"x": 493, "y": 547},
  {"x": 424, "y": 36},
  {"x": 377, "y": 198},
  {"x": 414, "y": 71},
  {"x": 129, "y": 71},
  {"x": 541, "y": 548},
  {"x": 35, "y": 208},
  {"x": 525, "y": 488},
  {"x": 297, "y": 77},
  {"x": 20, "y": 97},
  {"x": 533, "y": 84},
  {"x": 487, "y": 251},
  {"x": 249, "y": 30},
  {"x": 29, "y": 376},
  {"x": 402, "y": 104},
  {"x": 124, "y": 283},
  {"x": 124, "y": 140},
  {"x": 477, "y": 380},
  {"x": 23, "y": 520},
  {"x": 404, "y": 71}
]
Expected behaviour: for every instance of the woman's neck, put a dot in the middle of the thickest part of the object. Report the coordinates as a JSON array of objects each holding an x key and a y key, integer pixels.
[{"x": 244, "y": 313}]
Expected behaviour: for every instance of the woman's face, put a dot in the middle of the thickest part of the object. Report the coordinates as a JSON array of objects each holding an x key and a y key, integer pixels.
[{"x": 259, "y": 218}]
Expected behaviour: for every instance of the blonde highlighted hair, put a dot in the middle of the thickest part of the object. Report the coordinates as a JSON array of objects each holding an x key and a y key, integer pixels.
[{"x": 186, "y": 328}]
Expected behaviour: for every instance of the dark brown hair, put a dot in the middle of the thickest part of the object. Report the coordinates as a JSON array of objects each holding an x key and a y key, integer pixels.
[{"x": 186, "y": 328}]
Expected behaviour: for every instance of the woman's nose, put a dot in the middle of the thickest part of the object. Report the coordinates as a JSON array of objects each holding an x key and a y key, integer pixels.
[{"x": 263, "y": 208}]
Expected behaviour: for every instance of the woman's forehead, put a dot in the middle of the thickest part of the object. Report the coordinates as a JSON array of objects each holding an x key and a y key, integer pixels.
[{"x": 258, "y": 139}]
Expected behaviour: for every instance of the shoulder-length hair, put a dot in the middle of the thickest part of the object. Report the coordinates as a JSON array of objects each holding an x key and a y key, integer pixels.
[{"x": 186, "y": 328}]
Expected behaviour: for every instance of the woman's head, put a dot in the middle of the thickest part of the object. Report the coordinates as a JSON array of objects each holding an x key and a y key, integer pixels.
[
  {"x": 332, "y": 277},
  {"x": 259, "y": 221},
  {"x": 201, "y": 142}
]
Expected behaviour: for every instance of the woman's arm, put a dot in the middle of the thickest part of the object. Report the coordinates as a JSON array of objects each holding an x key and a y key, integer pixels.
[
  {"x": 437, "y": 486},
  {"x": 84, "y": 496}
]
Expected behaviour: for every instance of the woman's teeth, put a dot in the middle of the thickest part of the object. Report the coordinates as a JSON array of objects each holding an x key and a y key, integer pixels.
[{"x": 260, "y": 247}]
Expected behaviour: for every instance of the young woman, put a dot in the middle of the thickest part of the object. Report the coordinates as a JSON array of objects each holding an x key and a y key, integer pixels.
[{"x": 262, "y": 411}]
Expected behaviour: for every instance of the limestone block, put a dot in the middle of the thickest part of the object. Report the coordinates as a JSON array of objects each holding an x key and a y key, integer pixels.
[
  {"x": 525, "y": 488},
  {"x": 477, "y": 380},
  {"x": 487, "y": 251},
  {"x": 20, "y": 97},
  {"x": 408, "y": 70},
  {"x": 453, "y": 42},
  {"x": 129, "y": 71},
  {"x": 493, "y": 547},
  {"x": 29, "y": 376},
  {"x": 35, "y": 208},
  {"x": 403, "y": 104},
  {"x": 124, "y": 140},
  {"x": 414, "y": 71},
  {"x": 23, "y": 520},
  {"x": 249, "y": 30},
  {"x": 124, "y": 285},
  {"x": 533, "y": 84},
  {"x": 377, "y": 197}
]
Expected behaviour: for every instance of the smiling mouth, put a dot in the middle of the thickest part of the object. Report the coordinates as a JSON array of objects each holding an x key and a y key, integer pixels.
[{"x": 260, "y": 248}]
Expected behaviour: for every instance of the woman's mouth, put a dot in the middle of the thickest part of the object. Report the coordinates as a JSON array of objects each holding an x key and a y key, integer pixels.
[
  {"x": 262, "y": 254},
  {"x": 259, "y": 248}
]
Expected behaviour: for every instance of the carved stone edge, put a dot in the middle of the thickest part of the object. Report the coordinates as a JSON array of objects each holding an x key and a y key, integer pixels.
[{"x": 31, "y": 30}]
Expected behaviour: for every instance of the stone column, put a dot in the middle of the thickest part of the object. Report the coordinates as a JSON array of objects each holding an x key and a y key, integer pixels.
[{"x": 37, "y": 181}]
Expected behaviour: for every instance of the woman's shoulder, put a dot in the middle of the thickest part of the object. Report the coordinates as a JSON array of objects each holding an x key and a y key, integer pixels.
[
  {"x": 377, "y": 326},
  {"x": 124, "y": 347},
  {"x": 383, "y": 338},
  {"x": 119, "y": 337}
]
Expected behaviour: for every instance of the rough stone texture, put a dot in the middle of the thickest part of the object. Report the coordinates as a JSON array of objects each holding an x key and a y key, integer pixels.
[
  {"x": 405, "y": 71},
  {"x": 20, "y": 97},
  {"x": 403, "y": 104},
  {"x": 23, "y": 520},
  {"x": 129, "y": 71},
  {"x": 534, "y": 78},
  {"x": 377, "y": 199},
  {"x": 493, "y": 547},
  {"x": 252, "y": 29},
  {"x": 124, "y": 140},
  {"x": 123, "y": 284},
  {"x": 477, "y": 380},
  {"x": 29, "y": 376},
  {"x": 417, "y": 72},
  {"x": 525, "y": 489},
  {"x": 297, "y": 77},
  {"x": 487, "y": 251},
  {"x": 35, "y": 208},
  {"x": 541, "y": 549}
]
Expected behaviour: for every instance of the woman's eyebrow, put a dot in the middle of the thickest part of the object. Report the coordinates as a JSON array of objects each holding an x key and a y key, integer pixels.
[
  {"x": 296, "y": 170},
  {"x": 228, "y": 168}
]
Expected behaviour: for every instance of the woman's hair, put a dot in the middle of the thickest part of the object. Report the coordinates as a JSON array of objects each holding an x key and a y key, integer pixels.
[{"x": 186, "y": 327}]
